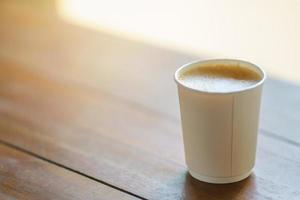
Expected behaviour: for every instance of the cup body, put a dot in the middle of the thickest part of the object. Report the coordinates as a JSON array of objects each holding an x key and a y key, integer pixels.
[{"x": 220, "y": 129}]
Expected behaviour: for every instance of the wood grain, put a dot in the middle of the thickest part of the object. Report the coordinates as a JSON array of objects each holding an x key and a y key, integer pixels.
[
  {"x": 280, "y": 115},
  {"x": 107, "y": 107},
  {"x": 25, "y": 177},
  {"x": 133, "y": 148}
]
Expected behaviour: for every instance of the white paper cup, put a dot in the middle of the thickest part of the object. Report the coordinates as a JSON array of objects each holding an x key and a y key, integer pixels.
[{"x": 220, "y": 128}]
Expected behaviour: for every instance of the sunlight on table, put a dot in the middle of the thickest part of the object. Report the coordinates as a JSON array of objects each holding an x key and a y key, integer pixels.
[{"x": 264, "y": 32}]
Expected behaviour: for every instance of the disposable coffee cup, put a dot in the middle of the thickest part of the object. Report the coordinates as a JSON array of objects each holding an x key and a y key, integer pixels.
[{"x": 220, "y": 128}]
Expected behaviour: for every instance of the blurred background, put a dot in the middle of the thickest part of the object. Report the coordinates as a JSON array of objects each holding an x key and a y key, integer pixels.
[{"x": 264, "y": 32}]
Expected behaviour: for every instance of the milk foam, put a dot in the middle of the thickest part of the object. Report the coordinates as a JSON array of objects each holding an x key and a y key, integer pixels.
[{"x": 219, "y": 78}]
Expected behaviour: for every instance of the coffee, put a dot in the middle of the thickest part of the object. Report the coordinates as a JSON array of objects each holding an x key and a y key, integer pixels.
[{"x": 219, "y": 78}]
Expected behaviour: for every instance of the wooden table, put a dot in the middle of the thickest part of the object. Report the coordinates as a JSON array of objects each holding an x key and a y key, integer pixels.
[{"x": 87, "y": 115}]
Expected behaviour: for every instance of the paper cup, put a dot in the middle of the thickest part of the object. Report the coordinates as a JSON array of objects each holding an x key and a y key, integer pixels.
[{"x": 220, "y": 128}]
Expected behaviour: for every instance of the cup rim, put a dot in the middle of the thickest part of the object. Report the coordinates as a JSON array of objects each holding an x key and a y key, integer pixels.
[{"x": 196, "y": 62}]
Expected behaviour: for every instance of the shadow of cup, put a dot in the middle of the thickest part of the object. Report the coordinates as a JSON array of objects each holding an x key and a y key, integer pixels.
[{"x": 238, "y": 190}]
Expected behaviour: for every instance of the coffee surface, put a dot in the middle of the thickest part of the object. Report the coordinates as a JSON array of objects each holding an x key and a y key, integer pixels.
[{"x": 219, "y": 78}]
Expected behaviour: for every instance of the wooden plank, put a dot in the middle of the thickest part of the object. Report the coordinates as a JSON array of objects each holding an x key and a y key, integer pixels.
[
  {"x": 26, "y": 177},
  {"x": 132, "y": 71},
  {"x": 75, "y": 100},
  {"x": 136, "y": 149},
  {"x": 280, "y": 115}
]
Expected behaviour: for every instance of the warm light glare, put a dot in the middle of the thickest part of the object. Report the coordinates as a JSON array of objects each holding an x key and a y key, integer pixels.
[{"x": 265, "y": 32}]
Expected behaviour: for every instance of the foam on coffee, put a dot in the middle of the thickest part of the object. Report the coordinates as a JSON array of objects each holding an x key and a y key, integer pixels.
[{"x": 219, "y": 78}]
